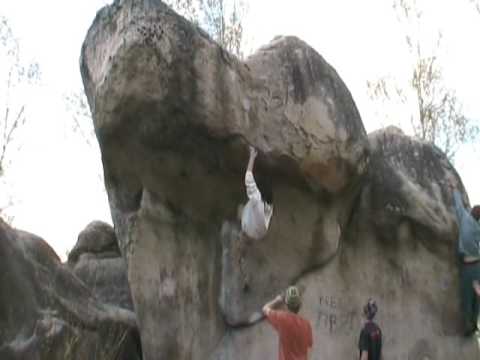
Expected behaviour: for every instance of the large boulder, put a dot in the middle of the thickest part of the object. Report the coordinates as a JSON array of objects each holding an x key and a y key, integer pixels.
[
  {"x": 98, "y": 239},
  {"x": 399, "y": 247},
  {"x": 97, "y": 261},
  {"x": 174, "y": 115},
  {"x": 46, "y": 312}
]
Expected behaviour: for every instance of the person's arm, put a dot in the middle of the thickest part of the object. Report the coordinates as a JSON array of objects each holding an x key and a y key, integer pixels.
[
  {"x": 363, "y": 344},
  {"x": 251, "y": 159},
  {"x": 271, "y": 305},
  {"x": 476, "y": 287},
  {"x": 251, "y": 186}
]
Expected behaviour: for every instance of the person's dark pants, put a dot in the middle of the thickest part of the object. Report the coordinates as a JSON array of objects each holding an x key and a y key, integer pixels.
[{"x": 470, "y": 301}]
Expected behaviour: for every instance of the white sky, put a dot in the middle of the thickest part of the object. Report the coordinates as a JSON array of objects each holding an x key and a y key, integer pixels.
[{"x": 54, "y": 177}]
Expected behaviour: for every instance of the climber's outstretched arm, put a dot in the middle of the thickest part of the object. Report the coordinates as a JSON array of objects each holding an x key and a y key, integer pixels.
[
  {"x": 250, "y": 185},
  {"x": 251, "y": 159}
]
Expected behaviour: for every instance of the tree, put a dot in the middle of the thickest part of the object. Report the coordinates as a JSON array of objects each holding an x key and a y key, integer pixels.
[
  {"x": 15, "y": 76},
  {"x": 477, "y": 4},
  {"x": 222, "y": 19},
  {"x": 187, "y": 8},
  {"x": 436, "y": 112},
  {"x": 77, "y": 105}
]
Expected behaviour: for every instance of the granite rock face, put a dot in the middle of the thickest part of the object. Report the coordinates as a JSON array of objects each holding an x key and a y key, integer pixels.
[{"x": 355, "y": 215}]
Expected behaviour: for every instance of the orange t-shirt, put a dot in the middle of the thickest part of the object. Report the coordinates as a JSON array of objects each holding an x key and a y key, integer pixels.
[{"x": 294, "y": 332}]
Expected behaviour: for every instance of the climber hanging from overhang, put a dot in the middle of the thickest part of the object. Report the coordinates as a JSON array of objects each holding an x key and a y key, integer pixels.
[
  {"x": 257, "y": 212},
  {"x": 255, "y": 215}
]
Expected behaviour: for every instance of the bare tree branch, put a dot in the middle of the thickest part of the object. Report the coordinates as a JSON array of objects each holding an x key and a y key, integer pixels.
[
  {"x": 77, "y": 106},
  {"x": 15, "y": 75},
  {"x": 438, "y": 117},
  {"x": 477, "y": 4},
  {"x": 222, "y": 19},
  {"x": 9, "y": 131}
]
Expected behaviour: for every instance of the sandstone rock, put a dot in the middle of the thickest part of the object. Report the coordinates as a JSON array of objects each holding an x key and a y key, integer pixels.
[
  {"x": 399, "y": 247},
  {"x": 46, "y": 312},
  {"x": 407, "y": 190},
  {"x": 97, "y": 261},
  {"x": 178, "y": 90},
  {"x": 97, "y": 238},
  {"x": 174, "y": 115}
]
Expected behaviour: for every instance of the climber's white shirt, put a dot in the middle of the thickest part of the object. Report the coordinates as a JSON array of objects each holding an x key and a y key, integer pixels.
[{"x": 256, "y": 214}]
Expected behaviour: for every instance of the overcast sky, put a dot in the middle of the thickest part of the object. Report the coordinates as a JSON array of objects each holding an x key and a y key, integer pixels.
[{"x": 54, "y": 178}]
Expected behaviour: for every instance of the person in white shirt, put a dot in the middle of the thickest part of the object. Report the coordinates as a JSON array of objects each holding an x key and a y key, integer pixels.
[
  {"x": 257, "y": 212},
  {"x": 254, "y": 216}
]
